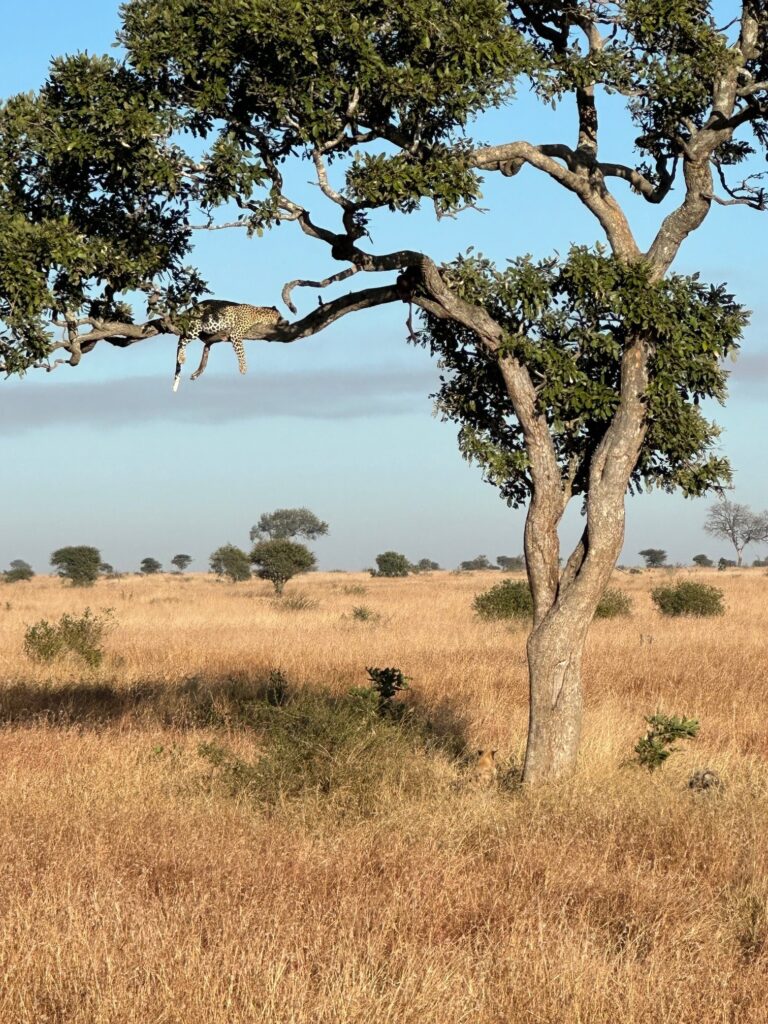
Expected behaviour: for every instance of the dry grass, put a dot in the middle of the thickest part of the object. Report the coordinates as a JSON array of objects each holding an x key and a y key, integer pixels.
[{"x": 134, "y": 888}]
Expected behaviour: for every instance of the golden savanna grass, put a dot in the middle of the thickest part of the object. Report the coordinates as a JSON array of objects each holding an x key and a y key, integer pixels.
[{"x": 134, "y": 887}]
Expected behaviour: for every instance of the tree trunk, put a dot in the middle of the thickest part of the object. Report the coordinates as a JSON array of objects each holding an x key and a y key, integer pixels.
[
  {"x": 562, "y": 616},
  {"x": 555, "y": 651}
]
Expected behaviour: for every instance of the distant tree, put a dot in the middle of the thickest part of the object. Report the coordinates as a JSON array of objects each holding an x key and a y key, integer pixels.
[
  {"x": 738, "y": 524},
  {"x": 654, "y": 557},
  {"x": 481, "y": 562},
  {"x": 150, "y": 566},
  {"x": 232, "y": 562},
  {"x": 106, "y": 569},
  {"x": 760, "y": 563},
  {"x": 79, "y": 563},
  {"x": 280, "y": 560},
  {"x": 18, "y": 571},
  {"x": 726, "y": 563},
  {"x": 392, "y": 563},
  {"x": 284, "y": 523},
  {"x": 181, "y": 561},
  {"x": 425, "y": 565},
  {"x": 511, "y": 563},
  {"x": 703, "y": 560}
]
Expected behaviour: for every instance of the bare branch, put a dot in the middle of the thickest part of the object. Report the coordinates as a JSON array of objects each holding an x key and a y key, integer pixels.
[{"x": 300, "y": 283}]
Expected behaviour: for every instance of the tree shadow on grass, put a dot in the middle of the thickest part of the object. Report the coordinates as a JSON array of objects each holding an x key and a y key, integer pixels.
[{"x": 231, "y": 701}]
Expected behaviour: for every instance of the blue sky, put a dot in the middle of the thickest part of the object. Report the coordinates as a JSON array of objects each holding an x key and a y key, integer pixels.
[{"x": 105, "y": 454}]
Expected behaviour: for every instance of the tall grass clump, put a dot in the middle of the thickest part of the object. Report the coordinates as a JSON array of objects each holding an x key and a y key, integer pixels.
[
  {"x": 688, "y": 598},
  {"x": 82, "y": 636}
]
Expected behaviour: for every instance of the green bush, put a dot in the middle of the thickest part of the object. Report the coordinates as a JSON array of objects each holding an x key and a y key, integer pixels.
[
  {"x": 688, "y": 598},
  {"x": 653, "y": 749},
  {"x": 612, "y": 604},
  {"x": 45, "y": 641},
  {"x": 508, "y": 600},
  {"x": 19, "y": 572},
  {"x": 337, "y": 750}
]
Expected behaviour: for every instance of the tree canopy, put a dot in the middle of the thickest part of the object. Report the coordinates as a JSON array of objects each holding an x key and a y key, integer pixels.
[{"x": 284, "y": 523}]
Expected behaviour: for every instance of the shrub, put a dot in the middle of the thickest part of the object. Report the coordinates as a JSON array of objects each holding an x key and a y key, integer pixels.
[
  {"x": 83, "y": 636},
  {"x": 80, "y": 564},
  {"x": 612, "y": 604},
  {"x": 653, "y": 749},
  {"x": 688, "y": 598},
  {"x": 232, "y": 562},
  {"x": 386, "y": 683},
  {"x": 508, "y": 600},
  {"x": 338, "y": 750},
  {"x": 391, "y": 563},
  {"x": 150, "y": 566},
  {"x": 356, "y": 589}
]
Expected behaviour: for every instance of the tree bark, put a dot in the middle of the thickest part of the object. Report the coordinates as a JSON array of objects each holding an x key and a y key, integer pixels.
[{"x": 556, "y": 644}]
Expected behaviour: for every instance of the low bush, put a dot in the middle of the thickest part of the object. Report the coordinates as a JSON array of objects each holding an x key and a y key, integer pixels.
[
  {"x": 45, "y": 641},
  {"x": 688, "y": 598},
  {"x": 613, "y": 603},
  {"x": 347, "y": 751},
  {"x": 362, "y": 613},
  {"x": 653, "y": 749},
  {"x": 508, "y": 600}
]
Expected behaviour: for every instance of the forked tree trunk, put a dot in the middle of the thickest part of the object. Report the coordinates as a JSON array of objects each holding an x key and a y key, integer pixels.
[{"x": 565, "y": 602}]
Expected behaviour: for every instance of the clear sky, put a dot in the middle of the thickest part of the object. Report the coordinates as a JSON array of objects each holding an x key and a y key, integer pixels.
[{"x": 105, "y": 454}]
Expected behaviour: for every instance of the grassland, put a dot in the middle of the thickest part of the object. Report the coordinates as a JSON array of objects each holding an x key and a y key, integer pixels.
[{"x": 136, "y": 885}]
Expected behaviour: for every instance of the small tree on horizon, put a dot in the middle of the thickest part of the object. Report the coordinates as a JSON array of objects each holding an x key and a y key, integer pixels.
[
  {"x": 511, "y": 563},
  {"x": 702, "y": 560},
  {"x": 285, "y": 523},
  {"x": 392, "y": 563},
  {"x": 79, "y": 563},
  {"x": 738, "y": 524},
  {"x": 181, "y": 562},
  {"x": 18, "y": 571},
  {"x": 425, "y": 565},
  {"x": 232, "y": 562},
  {"x": 476, "y": 564},
  {"x": 280, "y": 560},
  {"x": 655, "y": 558},
  {"x": 150, "y": 566}
]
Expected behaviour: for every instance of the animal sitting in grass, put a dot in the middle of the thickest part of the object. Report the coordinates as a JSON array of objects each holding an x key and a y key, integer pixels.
[{"x": 215, "y": 320}]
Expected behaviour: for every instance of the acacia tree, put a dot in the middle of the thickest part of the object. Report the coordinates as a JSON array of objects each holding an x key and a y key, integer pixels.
[
  {"x": 576, "y": 378},
  {"x": 285, "y": 523},
  {"x": 737, "y": 523}
]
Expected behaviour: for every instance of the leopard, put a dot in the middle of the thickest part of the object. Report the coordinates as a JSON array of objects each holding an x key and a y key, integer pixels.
[{"x": 218, "y": 319}]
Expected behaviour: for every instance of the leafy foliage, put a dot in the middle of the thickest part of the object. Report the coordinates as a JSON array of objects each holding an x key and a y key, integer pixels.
[
  {"x": 79, "y": 635},
  {"x": 150, "y": 566},
  {"x": 569, "y": 322},
  {"x": 653, "y": 749},
  {"x": 281, "y": 560},
  {"x": 391, "y": 563},
  {"x": 654, "y": 558},
  {"x": 688, "y": 598},
  {"x": 476, "y": 564},
  {"x": 702, "y": 560},
  {"x": 613, "y": 604},
  {"x": 232, "y": 562},
  {"x": 80, "y": 564},
  {"x": 510, "y": 599},
  {"x": 284, "y": 523},
  {"x": 18, "y": 571},
  {"x": 511, "y": 563},
  {"x": 181, "y": 562}
]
